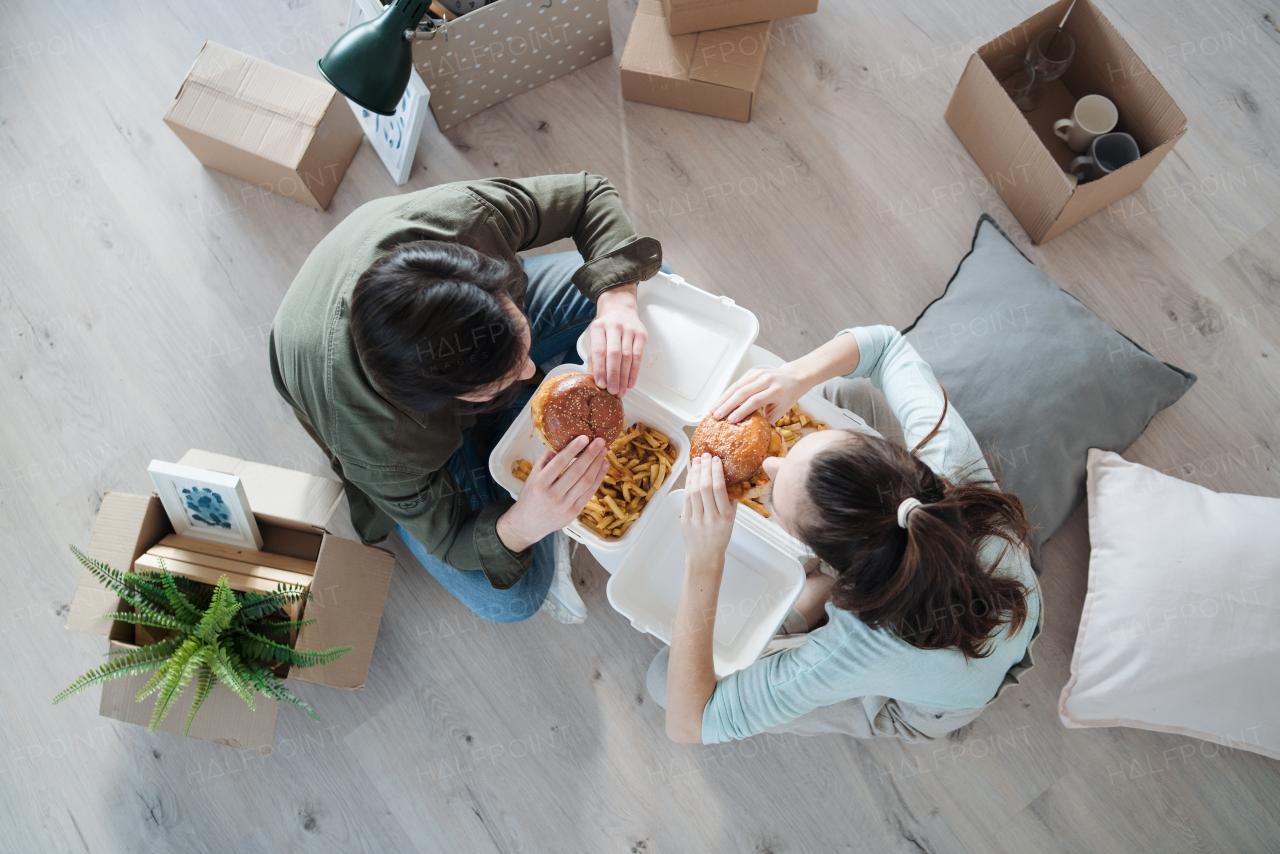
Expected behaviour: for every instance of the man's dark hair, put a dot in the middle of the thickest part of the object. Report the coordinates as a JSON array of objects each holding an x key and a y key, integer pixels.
[{"x": 431, "y": 322}]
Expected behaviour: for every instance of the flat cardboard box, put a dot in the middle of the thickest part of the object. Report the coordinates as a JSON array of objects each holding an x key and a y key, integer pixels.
[
  {"x": 349, "y": 587},
  {"x": 693, "y": 16},
  {"x": 1019, "y": 152},
  {"x": 716, "y": 73},
  {"x": 285, "y": 132}
]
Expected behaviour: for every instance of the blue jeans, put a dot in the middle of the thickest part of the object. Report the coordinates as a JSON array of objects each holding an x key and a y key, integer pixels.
[{"x": 558, "y": 313}]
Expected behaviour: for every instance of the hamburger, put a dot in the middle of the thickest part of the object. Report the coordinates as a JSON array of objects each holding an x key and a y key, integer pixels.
[
  {"x": 742, "y": 448},
  {"x": 567, "y": 406}
]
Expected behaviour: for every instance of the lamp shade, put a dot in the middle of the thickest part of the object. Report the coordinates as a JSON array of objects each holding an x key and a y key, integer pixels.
[{"x": 371, "y": 63}]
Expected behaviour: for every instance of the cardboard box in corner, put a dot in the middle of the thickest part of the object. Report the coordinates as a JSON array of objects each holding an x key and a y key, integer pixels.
[
  {"x": 716, "y": 73},
  {"x": 692, "y": 16},
  {"x": 1019, "y": 153},
  {"x": 349, "y": 589},
  {"x": 272, "y": 127}
]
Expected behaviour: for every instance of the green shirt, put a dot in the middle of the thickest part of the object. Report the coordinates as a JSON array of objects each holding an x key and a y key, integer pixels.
[{"x": 397, "y": 457}]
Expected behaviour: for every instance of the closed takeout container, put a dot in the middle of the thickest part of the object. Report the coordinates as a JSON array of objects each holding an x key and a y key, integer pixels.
[
  {"x": 521, "y": 442},
  {"x": 763, "y": 578}
]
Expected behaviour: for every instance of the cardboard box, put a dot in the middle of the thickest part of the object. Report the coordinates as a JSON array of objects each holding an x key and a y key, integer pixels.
[
  {"x": 349, "y": 589},
  {"x": 716, "y": 73},
  {"x": 269, "y": 126},
  {"x": 694, "y": 16},
  {"x": 1019, "y": 152}
]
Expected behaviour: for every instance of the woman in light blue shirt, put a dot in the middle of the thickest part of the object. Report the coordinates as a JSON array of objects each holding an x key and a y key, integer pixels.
[{"x": 929, "y": 605}]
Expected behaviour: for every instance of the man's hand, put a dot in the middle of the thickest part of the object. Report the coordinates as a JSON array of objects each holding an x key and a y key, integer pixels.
[
  {"x": 555, "y": 493},
  {"x": 617, "y": 340}
]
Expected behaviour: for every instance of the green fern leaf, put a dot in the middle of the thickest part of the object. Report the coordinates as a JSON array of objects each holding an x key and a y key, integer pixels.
[
  {"x": 204, "y": 683},
  {"x": 222, "y": 609},
  {"x": 298, "y": 657},
  {"x": 148, "y": 618},
  {"x": 226, "y": 671},
  {"x": 175, "y": 679},
  {"x": 182, "y": 607},
  {"x": 277, "y": 690},
  {"x": 139, "y": 660}
]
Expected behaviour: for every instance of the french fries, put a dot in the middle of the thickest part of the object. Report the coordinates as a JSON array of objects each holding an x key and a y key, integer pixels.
[
  {"x": 751, "y": 491},
  {"x": 639, "y": 463}
]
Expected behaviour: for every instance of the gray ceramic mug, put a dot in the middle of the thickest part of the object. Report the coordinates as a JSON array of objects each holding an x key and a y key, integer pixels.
[{"x": 1107, "y": 153}]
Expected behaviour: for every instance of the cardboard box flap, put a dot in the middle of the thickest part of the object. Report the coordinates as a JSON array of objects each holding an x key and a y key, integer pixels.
[
  {"x": 1006, "y": 148},
  {"x": 125, "y": 527},
  {"x": 223, "y": 719},
  {"x": 652, "y": 50},
  {"x": 257, "y": 83},
  {"x": 348, "y": 592},
  {"x": 733, "y": 56},
  {"x": 1105, "y": 64},
  {"x": 250, "y": 104},
  {"x": 291, "y": 499}
]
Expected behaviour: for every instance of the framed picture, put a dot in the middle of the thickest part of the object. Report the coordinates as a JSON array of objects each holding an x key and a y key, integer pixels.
[
  {"x": 206, "y": 504},
  {"x": 395, "y": 138}
]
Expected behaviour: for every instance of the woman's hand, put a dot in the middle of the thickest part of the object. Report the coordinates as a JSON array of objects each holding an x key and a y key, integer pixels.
[
  {"x": 774, "y": 389},
  {"x": 707, "y": 519},
  {"x": 555, "y": 493},
  {"x": 617, "y": 340}
]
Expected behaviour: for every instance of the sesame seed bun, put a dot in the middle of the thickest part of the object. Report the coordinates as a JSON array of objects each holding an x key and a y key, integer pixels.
[
  {"x": 571, "y": 405},
  {"x": 741, "y": 447}
]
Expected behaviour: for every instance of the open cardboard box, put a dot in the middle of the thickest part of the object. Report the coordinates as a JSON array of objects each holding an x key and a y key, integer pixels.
[
  {"x": 292, "y": 508},
  {"x": 1019, "y": 153}
]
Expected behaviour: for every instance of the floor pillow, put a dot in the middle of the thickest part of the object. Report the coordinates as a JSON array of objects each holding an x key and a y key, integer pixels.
[
  {"x": 1178, "y": 632},
  {"x": 1038, "y": 377}
]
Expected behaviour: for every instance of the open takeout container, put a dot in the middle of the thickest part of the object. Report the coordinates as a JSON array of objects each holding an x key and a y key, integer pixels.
[
  {"x": 763, "y": 578},
  {"x": 521, "y": 442},
  {"x": 696, "y": 341}
]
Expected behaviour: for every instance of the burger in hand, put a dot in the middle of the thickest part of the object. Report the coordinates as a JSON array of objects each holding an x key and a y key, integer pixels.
[
  {"x": 570, "y": 405},
  {"x": 742, "y": 448}
]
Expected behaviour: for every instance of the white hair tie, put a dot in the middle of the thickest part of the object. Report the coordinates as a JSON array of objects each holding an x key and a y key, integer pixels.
[{"x": 905, "y": 508}]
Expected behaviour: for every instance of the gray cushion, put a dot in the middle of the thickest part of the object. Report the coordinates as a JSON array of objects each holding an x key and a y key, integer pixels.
[{"x": 1038, "y": 377}]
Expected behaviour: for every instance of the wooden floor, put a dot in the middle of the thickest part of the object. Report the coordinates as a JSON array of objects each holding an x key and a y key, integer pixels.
[{"x": 136, "y": 289}]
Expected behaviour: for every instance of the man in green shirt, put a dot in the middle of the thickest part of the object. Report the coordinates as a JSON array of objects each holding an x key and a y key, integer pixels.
[{"x": 404, "y": 344}]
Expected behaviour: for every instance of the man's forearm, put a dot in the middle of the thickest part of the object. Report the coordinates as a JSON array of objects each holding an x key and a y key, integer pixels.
[{"x": 691, "y": 676}]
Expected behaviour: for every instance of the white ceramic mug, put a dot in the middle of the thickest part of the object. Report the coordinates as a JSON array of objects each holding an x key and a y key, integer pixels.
[{"x": 1093, "y": 116}]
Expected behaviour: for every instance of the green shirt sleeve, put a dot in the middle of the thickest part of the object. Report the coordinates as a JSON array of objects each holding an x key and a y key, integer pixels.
[{"x": 532, "y": 212}]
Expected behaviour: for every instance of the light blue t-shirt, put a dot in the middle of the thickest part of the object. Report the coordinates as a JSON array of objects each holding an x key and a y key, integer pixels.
[{"x": 846, "y": 658}]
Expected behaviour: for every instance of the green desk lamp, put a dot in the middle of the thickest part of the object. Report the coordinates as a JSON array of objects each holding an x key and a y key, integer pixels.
[{"x": 371, "y": 63}]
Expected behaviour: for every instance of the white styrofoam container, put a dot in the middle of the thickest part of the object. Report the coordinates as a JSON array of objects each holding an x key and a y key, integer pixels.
[
  {"x": 696, "y": 341},
  {"x": 762, "y": 580},
  {"x": 521, "y": 442}
]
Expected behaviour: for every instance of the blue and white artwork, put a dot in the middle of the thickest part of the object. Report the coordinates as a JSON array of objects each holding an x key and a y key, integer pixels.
[{"x": 206, "y": 508}]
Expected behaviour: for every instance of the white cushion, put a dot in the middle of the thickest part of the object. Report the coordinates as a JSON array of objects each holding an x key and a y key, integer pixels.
[{"x": 1181, "y": 625}]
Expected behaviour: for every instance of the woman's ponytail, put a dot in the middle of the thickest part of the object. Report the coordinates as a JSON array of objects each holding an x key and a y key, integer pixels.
[{"x": 922, "y": 580}]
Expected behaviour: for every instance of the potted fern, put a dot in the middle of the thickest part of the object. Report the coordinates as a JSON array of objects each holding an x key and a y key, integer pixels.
[{"x": 216, "y": 635}]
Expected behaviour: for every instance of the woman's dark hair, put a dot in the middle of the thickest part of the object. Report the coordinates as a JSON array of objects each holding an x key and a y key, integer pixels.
[
  {"x": 431, "y": 322},
  {"x": 923, "y": 583}
]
